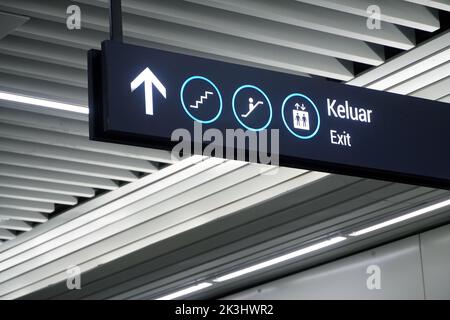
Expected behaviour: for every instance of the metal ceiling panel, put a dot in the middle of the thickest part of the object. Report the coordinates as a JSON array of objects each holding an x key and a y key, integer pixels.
[{"x": 10, "y": 22}]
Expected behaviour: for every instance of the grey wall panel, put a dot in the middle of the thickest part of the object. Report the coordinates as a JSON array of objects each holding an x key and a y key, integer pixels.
[
  {"x": 435, "y": 246},
  {"x": 401, "y": 277}
]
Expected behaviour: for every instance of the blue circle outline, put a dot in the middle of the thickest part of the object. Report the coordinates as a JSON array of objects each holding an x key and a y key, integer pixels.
[
  {"x": 315, "y": 108},
  {"x": 215, "y": 88},
  {"x": 265, "y": 97}
]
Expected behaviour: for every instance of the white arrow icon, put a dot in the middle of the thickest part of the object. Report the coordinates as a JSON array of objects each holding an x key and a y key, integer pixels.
[{"x": 149, "y": 79}]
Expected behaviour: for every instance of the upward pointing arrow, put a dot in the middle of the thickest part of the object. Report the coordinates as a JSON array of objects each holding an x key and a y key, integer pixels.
[{"x": 149, "y": 79}]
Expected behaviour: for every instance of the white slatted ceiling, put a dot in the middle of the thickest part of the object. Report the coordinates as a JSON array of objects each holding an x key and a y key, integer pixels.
[{"x": 47, "y": 160}]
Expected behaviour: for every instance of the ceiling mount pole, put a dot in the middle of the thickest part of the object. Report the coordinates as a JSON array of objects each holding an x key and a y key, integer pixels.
[{"x": 115, "y": 20}]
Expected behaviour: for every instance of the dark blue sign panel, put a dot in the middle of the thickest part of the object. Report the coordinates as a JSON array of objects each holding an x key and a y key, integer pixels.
[{"x": 141, "y": 95}]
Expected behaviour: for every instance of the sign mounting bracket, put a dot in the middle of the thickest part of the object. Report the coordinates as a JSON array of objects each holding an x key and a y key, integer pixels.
[{"x": 115, "y": 20}]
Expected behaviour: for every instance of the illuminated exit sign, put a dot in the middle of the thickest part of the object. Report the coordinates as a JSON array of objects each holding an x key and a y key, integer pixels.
[{"x": 140, "y": 95}]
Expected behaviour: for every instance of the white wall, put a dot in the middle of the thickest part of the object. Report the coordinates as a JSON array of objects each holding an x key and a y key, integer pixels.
[{"x": 417, "y": 267}]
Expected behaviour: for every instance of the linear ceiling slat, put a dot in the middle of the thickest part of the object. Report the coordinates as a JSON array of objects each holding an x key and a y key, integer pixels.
[
  {"x": 308, "y": 16},
  {"x": 43, "y": 89},
  {"x": 42, "y": 121},
  {"x": 438, "y": 4},
  {"x": 58, "y": 188},
  {"x": 46, "y": 52},
  {"x": 445, "y": 99},
  {"x": 42, "y": 70},
  {"x": 6, "y": 234},
  {"x": 37, "y": 196},
  {"x": 422, "y": 80},
  {"x": 15, "y": 225},
  {"x": 57, "y": 33},
  {"x": 8, "y": 203},
  {"x": 62, "y": 153},
  {"x": 23, "y": 215},
  {"x": 396, "y": 12},
  {"x": 434, "y": 91},
  {"x": 10, "y": 22},
  {"x": 36, "y": 109},
  {"x": 66, "y": 167},
  {"x": 411, "y": 71},
  {"x": 57, "y": 177}
]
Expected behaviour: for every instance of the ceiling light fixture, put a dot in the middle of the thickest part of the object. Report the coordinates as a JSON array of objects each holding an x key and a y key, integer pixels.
[
  {"x": 43, "y": 102},
  {"x": 186, "y": 291},
  {"x": 401, "y": 218},
  {"x": 280, "y": 259}
]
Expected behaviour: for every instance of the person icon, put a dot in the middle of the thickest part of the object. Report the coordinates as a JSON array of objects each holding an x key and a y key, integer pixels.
[
  {"x": 297, "y": 118},
  {"x": 304, "y": 120},
  {"x": 300, "y": 117},
  {"x": 251, "y": 106}
]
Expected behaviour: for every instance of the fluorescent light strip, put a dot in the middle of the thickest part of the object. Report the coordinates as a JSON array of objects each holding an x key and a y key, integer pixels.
[
  {"x": 42, "y": 102},
  {"x": 401, "y": 218},
  {"x": 280, "y": 259},
  {"x": 186, "y": 291}
]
